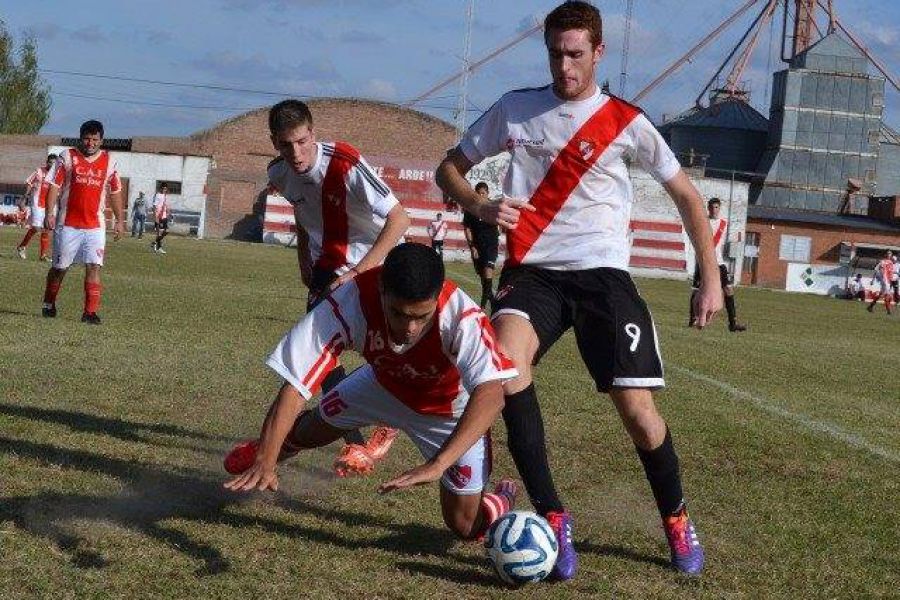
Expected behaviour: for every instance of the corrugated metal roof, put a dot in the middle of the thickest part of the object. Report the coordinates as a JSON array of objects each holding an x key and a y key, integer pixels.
[
  {"x": 728, "y": 113},
  {"x": 888, "y": 136},
  {"x": 771, "y": 213}
]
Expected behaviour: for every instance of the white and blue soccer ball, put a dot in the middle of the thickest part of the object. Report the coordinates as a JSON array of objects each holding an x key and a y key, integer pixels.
[{"x": 521, "y": 547}]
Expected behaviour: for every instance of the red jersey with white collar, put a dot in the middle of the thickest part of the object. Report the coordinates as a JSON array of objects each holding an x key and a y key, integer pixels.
[
  {"x": 569, "y": 159},
  {"x": 434, "y": 376},
  {"x": 39, "y": 184},
  {"x": 84, "y": 183}
]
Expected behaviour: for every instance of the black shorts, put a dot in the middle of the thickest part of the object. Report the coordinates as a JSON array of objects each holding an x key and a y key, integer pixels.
[
  {"x": 613, "y": 327},
  {"x": 487, "y": 257},
  {"x": 724, "y": 277},
  {"x": 163, "y": 223},
  {"x": 318, "y": 286}
]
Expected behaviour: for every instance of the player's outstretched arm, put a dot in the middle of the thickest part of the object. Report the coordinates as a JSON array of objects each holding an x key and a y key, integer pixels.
[
  {"x": 282, "y": 415},
  {"x": 451, "y": 178},
  {"x": 395, "y": 225},
  {"x": 482, "y": 410},
  {"x": 690, "y": 205}
]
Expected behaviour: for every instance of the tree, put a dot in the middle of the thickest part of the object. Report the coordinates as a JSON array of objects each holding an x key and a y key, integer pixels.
[{"x": 24, "y": 98}]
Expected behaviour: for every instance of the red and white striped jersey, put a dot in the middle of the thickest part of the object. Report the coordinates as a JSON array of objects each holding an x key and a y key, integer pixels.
[
  {"x": 437, "y": 229},
  {"x": 340, "y": 202},
  {"x": 719, "y": 229},
  {"x": 39, "y": 183},
  {"x": 569, "y": 160},
  {"x": 433, "y": 376},
  {"x": 885, "y": 270},
  {"x": 161, "y": 206},
  {"x": 84, "y": 182}
]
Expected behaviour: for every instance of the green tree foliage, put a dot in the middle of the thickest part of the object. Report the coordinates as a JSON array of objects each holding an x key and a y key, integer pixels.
[{"x": 24, "y": 98}]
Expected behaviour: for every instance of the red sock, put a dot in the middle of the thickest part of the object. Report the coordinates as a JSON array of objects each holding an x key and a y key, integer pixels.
[
  {"x": 91, "y": 297},
  {"x": 492, "y": 506},
  {"x": 45, "y": 243},
  {"x": 27, "y": 238},
  {"x": 51, "y": 291}
]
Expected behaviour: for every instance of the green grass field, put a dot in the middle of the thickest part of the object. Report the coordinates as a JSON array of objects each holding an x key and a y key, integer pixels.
[{"x": 111, "y": 441}]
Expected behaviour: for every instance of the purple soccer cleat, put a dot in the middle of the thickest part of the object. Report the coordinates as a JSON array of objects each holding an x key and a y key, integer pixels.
[
  {"x": 567, "y": 559},
  {"x": 687, "y": 553}
]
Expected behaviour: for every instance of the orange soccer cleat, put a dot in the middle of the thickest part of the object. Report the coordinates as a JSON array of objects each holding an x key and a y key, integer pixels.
[{"x": 356, "y": 459}]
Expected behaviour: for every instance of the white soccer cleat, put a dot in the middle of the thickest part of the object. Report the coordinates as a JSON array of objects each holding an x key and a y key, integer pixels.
[{"x": 21, "y": 252}]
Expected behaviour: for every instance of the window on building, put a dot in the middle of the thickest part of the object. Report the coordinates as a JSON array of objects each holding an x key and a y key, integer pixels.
[
  {"x": 174, "y": 186},
  {"x": 795, "y": 248}
]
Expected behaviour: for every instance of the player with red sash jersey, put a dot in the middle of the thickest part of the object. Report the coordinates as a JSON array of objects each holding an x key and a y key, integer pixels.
[
  {"x": 566, "y": 207},
  {"x": 38, "y": 186},
  {"x": 433, "y": 370},
  {"x": 884, "y": 275},
  {"x": 81, "y": 180},
  {"x": 719, "y": 227},
  {"x": 346, "y": 219}
]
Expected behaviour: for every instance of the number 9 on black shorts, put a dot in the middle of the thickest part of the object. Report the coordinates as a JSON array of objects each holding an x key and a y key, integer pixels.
[{"x": 613, "y": 326}]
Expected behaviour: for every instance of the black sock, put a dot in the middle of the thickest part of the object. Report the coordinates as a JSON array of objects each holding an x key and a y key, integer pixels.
[
  {"x": 525, "y": 438},
  {"x": 693, "y": 316},
  {"x": 158, "y": 242},
  {"x": 661, "y": 468},
  {"x": 331, "y": 380},
  {"x": 487, "y": 291},
  {"x": 731, "y": 310}
]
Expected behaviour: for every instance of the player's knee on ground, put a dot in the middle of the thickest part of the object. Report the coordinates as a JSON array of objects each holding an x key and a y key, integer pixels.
[{"x": 462, "y": 514}]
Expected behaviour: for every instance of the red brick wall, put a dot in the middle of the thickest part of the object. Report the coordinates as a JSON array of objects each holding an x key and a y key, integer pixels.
[
  {"x": 771, "y": 271},
  {"x": 241, "y": 150}
]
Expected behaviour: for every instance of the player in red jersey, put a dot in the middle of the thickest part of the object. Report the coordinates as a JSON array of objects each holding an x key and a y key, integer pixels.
[
  {"x": 432, "y": 370},
  {"x": 567, "y": 201},
  {"x": 38, "y": 186},
  {"x": 80, "y": 180},
  {"x": 346, "y": 219},
  {"x": 884, "y": 275}
]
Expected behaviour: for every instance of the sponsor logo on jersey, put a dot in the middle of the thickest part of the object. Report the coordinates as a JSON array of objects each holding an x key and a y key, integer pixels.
[
  {"x": 502, "y": 292},
  {"x": 518, "y": 142}
]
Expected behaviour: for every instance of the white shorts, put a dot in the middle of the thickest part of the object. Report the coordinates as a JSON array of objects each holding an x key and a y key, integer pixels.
[
  {"x": 359, "y": 400},
  {"x": 37, "y": 216},
  {"x": 71, "y": 245}
]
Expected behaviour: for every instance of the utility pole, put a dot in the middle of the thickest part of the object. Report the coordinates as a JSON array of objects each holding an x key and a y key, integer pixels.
[
  {"x": 623, "y": 76},
  {"x": 462, "y": 101}
]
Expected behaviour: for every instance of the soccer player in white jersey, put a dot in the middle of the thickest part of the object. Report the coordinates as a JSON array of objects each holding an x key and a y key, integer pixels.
[
  {"x": 346, "y": 219},
  {"x": 160, "y": 218},
  {"x": 81, "y": 180},
  {"x": 719, "y": 227},
  {"x": 433, "y": 370},
  {"x": 566, "y": 206},
  {"x": 38, "y": 185}
]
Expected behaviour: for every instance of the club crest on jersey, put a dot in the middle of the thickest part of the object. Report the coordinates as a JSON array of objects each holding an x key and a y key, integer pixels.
[
  {"x": 334, "y": 199},
  {"x": 460, "y": 475},
  {"x": 586, "y": 148}
]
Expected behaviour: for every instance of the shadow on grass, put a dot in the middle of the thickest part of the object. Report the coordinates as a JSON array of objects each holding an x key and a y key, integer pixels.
[
  {"x": 621, "y": 552},
  {"x": 151, "y": 496},
  {"x": 20, "y": 313}
]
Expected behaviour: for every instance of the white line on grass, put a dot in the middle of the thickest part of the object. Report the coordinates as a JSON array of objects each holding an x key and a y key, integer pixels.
[{"x": 829, "y": 429}]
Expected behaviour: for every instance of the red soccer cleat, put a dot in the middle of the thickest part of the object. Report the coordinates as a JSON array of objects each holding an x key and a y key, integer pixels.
[
  {"x": 241, "y": 457},
  {"x": 353, "y": 460}
]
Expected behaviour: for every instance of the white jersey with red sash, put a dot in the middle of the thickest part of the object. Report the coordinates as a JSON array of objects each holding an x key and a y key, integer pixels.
[
  {"x": 84, "y": 182},
  {"x": 39, "y": 183},
  {"x": 340, "y": 202},
  {"x": 437, "y": 230},
  {"x": 719, "y": 229},
  {"x": 433, "y": 376},
  {"x": 569, "y": 160}
]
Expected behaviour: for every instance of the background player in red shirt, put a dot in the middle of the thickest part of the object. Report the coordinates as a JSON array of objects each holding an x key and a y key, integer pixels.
[
  {"x": 80, "y": 180},
  {"x": 884, "y": 275},
  {"x": 37, "y": 197},
  {"x": 433, "y": 371}
]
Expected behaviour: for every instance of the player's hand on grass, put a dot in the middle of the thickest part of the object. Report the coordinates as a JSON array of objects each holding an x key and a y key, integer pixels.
[
  {"x": 258, "y": 477},
  {"x": 706, "y": 304},
  {"x": 426, "y": 473},
  {"x": 504, "y": 213}
]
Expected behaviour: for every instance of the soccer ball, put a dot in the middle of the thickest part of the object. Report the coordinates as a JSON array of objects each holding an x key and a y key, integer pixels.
[{"x": 521, "y": 546}]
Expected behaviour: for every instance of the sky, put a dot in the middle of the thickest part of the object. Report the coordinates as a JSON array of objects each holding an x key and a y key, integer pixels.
[{"x": 388, "y": 50}]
